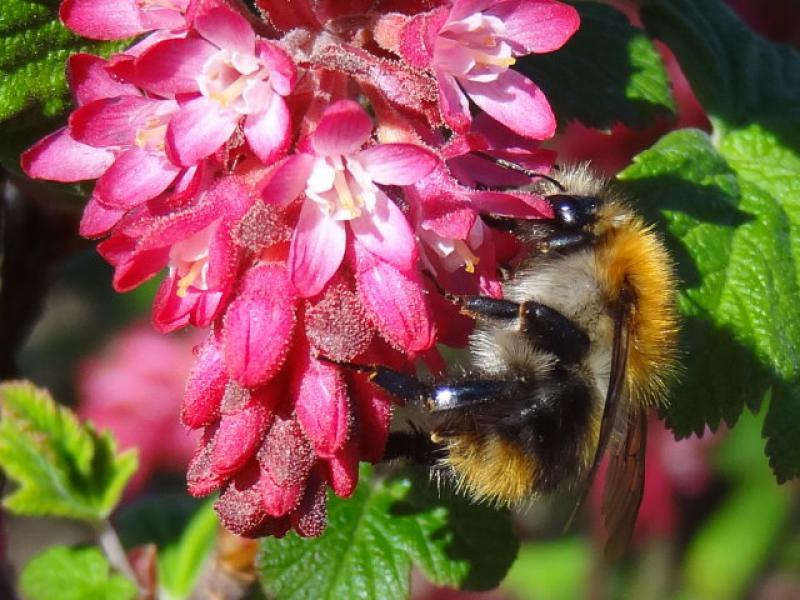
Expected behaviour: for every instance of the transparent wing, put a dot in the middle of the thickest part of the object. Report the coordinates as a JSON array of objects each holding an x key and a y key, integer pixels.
[
  {"x": 616, "y": 389},
  {"x": 625, "y": 484}
]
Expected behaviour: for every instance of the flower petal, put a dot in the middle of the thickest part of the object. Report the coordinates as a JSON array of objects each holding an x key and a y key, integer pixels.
[
  {"x": 287, "y": 180},
  {"x": 136, "y": 176},
  {"x": 386, "y": 233},
  {"x": 512, "y": 204},
  {"x": 172, "y": 66},
  {"x": 269, "y": 132},
  {"x": 102, "y": 19},
  {"x": 198, "y": 130},
  {"x": 89, "y": 80},
  {"x": 343, "y": 129},
  {"x": 536, "y": 25},
  {"x": 283, "y": 72},
  {"x": 397, "y": 164},
  {"x": 114, "y": 121},
  {"x": 97, "y": 220},
  {"x": 226, "y": 29},
  {"x": 516, "y": 102},
  {"x": 258, "y": 325},
  {"x": 59, "y": 157},
  {"x": 453, "y": 103},
  {"x": 316, "y": 251}
]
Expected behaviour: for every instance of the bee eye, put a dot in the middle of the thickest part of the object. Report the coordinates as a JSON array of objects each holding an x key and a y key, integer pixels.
[{"x": 573, "y": 212}]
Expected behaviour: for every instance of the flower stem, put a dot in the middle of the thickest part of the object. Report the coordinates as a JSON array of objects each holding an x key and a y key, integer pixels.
[{"x": 109, "y": 542}]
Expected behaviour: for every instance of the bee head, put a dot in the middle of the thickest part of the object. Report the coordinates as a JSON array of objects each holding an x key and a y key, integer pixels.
[{"x": 573, "y": 212}]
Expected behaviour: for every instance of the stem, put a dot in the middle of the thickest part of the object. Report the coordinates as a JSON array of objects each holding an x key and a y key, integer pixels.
[{"x": 109, "y": 542}]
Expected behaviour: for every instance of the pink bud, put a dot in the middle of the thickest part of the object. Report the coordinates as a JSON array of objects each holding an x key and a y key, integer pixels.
[
  {"x": 258, "y": 325},
  {"x": 396, "y": 302},
  {"x": 201, "y": 479},
  {"x": 374, "y": 409},
  {"x": 321, "y": 403},
  {"x": 238, "y": 437},
  {"x": 205, "y": 386},
  {"x": 239, "y": 506},
  {"x": 310, "y": 518},
  {"x": 343, "y": 470}
]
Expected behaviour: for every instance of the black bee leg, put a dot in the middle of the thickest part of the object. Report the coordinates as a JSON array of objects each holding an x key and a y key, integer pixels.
[
  {"x": 415, "y": 446},
  {"x": 549, "y": 330},
  {"x": 565, "y": 241}
]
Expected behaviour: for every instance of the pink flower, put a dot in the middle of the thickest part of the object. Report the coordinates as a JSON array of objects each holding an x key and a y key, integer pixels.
[
  {"x": 233, "y": 77},
  {"x": 134, "y": 388},
  {"x": 470, "y": 48},
  {"x": 196, "y": 243},
  {"x": 338, "y": 180}
]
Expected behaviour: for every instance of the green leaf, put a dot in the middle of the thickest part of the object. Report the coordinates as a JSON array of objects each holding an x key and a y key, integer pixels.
[
  {"x": 73, "y": 574},
  {"x": 61, "y": 467},
  {"x": 738, "y": 76},
  {"x": 552, "y": 570},
  {"x": 608, "y": 72},
  {"x": 373, "y": 539},
  {"x": 34, "y": 47},
  {"x": 731, "y": 205}
]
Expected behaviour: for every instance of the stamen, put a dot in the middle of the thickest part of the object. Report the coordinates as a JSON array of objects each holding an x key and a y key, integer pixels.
[
  {"x": 152, "y": 131},
  {"x": 470, "y": 260},
  {"x": 487, "y": 59},
  {"x": 231, "y": 93},
  {"x": 345, "y": 195},
  {"x": 188, "y": 279}
]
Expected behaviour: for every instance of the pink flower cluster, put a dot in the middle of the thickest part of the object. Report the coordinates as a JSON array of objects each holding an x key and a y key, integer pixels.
[{"x": 294, "y": 174}]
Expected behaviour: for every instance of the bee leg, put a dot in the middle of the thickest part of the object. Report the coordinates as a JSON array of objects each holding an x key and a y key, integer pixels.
[
  {"x": 565, "y": 241},
  {"x": 551, "y": 331},
  {"x": 414, "y": 446}
]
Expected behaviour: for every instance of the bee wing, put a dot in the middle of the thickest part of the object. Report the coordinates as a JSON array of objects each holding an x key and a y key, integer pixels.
[
  {"x": 616, "y": 388},
  {"x": 625, "y": 484}
]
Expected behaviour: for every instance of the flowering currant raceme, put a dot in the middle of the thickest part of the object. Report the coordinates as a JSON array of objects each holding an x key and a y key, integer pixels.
[{"x": 299, "y": 187}]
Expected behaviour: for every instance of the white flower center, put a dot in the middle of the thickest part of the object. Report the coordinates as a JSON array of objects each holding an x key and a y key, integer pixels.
[
  {"x": 341, "y": 187},
  {"x": 473, "y": 48},
  {"x": 154, "y": 119},
  {"x": 189, "y": 258},
  {"x": 452, "y": 253},
  {"x": 236, "y": 81}
]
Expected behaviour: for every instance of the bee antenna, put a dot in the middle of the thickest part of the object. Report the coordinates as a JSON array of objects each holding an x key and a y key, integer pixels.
[{"x": 520, "y": 169}]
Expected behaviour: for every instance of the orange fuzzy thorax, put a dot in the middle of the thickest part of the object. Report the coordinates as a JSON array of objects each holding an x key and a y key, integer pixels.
[{"x": 631, "y": 254}]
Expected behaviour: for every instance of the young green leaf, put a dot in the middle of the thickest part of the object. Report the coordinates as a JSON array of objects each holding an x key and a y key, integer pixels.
[
  {"x": 608, "y": 72},
  {"x": 731, "y": 206},
  {"x": 34, "y": 47},
  {"x": 73, "y": 574},
  {"x": 373, "y": 539},
  {"x": 61, "y": 467}
]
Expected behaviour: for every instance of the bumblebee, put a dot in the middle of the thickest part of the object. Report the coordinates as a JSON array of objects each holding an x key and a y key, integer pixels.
[{"x": 564, "y": 367}]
